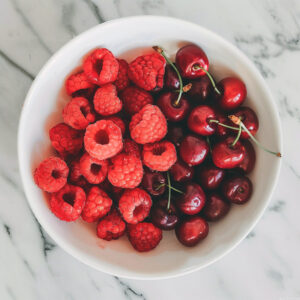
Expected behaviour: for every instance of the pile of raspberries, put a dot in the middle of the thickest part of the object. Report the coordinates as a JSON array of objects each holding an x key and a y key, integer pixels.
[{"x": 110, "y": 132}]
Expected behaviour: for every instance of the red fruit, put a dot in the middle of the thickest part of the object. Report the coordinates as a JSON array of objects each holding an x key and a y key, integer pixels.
[
  {"x": 154, "y": 182},
  {"x": 65, "y": 139},
  {"x": 181, "y": 172},
  {"x": 103, "y": 139},
  {"x": 51, "y": 174},
  {"x": 248, "y": 162},
  {"x": 147, "y": 71},
  {"x": 101, "y": 67},
  {"x": 134, "y": 99},
  {"x": 77, "y": 82},
  {"x": 93, "y": 169},
  {"x": 201, "y": 89},
  {"x": 135, "y": 205},
  {"x": 144, "y": 236},
  {"x": 68, "y": 202},
  {"x": 215, "y": 208},
  {"x": 221, "y": 130},
  {"x": 210, "y": 177},
  {"x": 233, "y": 93},
  {"x": 111, "y": 227},
  {"x": 78, "y": 113},
  {"x": 132, "y": 148},
  {"x": 175, "y": 134},
  {"x": 159, "y": 156},
  {"x": 118, "y": 122},
  {"x": 171, "y": 80},
  {"x": 189, "y": 59},
  {"x": 148, "y": 125},
  {"x": 97, "y": 205},
  {"x": 76, "y": 177},
  {"x": 122, "y": 81},
  {"x": 125, "y": 171},
  {"x": 106, "y": 100}
]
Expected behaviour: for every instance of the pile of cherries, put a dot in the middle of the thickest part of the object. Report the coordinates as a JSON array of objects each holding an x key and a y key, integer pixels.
[{"x": 211, "y": 131}]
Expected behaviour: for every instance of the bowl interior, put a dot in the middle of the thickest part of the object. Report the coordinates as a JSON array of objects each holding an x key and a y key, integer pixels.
[{"x": 128, "y": 38}]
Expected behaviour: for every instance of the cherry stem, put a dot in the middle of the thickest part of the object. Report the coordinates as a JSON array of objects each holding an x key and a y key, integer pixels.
[
  {"x": 169, "y": 194},
  {"x": 237, "y": 136},
  {"x": 224, "y": 125},
  {"x": 169, "y": 186},
  {"x": 161, "y": 51}
]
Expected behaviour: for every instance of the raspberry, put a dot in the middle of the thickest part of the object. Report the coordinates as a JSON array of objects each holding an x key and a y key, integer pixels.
[
  {"x": 76, "y": 176},
  {"x": 106, "y": 101},
  {"x": 103, "y": 139},
  {"x": 122, "y": 80},
  {"x": 147, "y": 71},
  {"x": 101, "y": 67},
  {"x": 78, "y": 113},
  {"x": 77, "y": 82},
  {"x": 159, "y": 156},
  {"x": 149, "y": 125},
  {"x": 118, "y": 122},
  {"x": 65, "y": 139},
  {"x": 135, "y": 205},
  {"x": 93, "y": 169},
  {"x": 67, "y": 203},
  {"x": 144, "y": 236},
  {"x": 134, "y": 99},
  {"x": 126, "y": 171},
  {"x": 111, "y": 227},
  {"x": 131, "y": 147},
  {"x": 51, "y": 174}
]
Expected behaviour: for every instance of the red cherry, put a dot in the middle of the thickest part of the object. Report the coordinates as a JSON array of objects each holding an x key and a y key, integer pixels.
[
  {"x": 237, "y": 189},
  {"x": 248, "y": 162},
  {"x": 190, "y": 59},
  {"x": 193, "y": 150},
  {"x": 171, "y": 80},
  {"x": 198, "y": 120},
  {"x": 153, "y": 182},
  {"x": 192, "y": 200},
  {"x": 181, "y": 172},
  {"x": 221, "y": 130},
  {"x": 215, "y": 208},
  {"x": 210, "y": 177},
  {"x": 192, "y": 230},
  {"x": 201, "y": 89},
  {"x": 226, "y": 156},
  {"x": 233, "y": 93},
  {"x": 175, "y": 134}
]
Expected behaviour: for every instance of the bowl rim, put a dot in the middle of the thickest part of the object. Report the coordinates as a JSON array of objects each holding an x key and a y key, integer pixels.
[{"x": 72, "y": 250}]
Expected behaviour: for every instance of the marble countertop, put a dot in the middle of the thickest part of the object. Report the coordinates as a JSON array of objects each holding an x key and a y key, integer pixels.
[{"x": 265, "y": 265}]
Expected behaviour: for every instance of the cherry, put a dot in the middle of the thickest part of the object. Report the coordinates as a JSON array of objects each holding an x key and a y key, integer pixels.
[
  {"x": 181, "y": 172},
  {"x": 192, "y": 200},
  {"x": 201, "y": 89},
  {"x": 193, "y": 150},
  {"x": 162, "y": 217},
  {"x": 237, "y": 189},
  {"x": 210, "y": 176},
  {"x": 215, "y": 208},
  {"x": 171, "y": 80},
  {"x": 233, "y": 93},
  {"x": 248, "y": 162},
  {"x": 175, "y": 134},
  {"x": 154, "y": 182},
  {"x": 221, "y": 130},
  {"x": 198, "y": 120},
  {"x": 227, "y": 156},
  {"x": 191, "y": 60},
  {"x": 192, "y": 230}
]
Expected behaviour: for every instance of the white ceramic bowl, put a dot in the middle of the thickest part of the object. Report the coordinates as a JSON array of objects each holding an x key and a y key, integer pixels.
[{"x": 128, "y": 37}]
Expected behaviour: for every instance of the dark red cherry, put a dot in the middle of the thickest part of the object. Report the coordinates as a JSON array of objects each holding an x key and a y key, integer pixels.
[
  {"x": 190, "y": 59},
  {"x": 233, "y": 93},
  {"x": 162, "y": 217},
  {"x": 210, "y": 176},
  {"x": 198, "y": 120},
  {"x": 201, "y": 89},
  {"x": 173, "y": 112},
  {"x": 192, "y": 200},
  {"x": 248, "y": 162},
  {"x": 175, "y": 134},
  {"x": 193, "y": 150},
  {"x": 221, "y": 130},
  {"x": 226, "y": 156},
  {"x": 215, "y": 208},
  {"x": 181, "y": 171},
  {"x": 237, "y": 189},
  {"x": 153, "y": 182},
  {"x": 171, "y": 81},
  {"x": 192, "y": 230}
]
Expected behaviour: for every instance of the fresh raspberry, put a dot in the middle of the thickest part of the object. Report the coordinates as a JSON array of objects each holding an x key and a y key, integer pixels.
[
  {"x": 106, "y": 101},
  {"x": 126, "y": 171},
  {"x": 118, "y": 122},
  {"x": 103, "y": 139},
  {"x": 77, "y": 82},
  {"x": 149, "y": 125},
  {"x": 97, "y": 205},
  {"x": 134, "y": 99},
  {"x": 122, "y": 80},
  {"x": 160, "y": 156},
  {"x": 147, "y": 71},
  {"x": 135, "y": 205},
  {"x": 76, "y": 176},
  {"x": 131, "y": 147},
  {"x": 67, "y": 203},
  {"x": 78, "y": 113},
  {"x": 111, "y": 227},
  {"x": 51, "y": 174},
  {"x": 65, "y": 139},
  {"x": 144, "y": 236},
  {"x": 101, "y": 67},
  {"x": 93, "y": 169}
]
